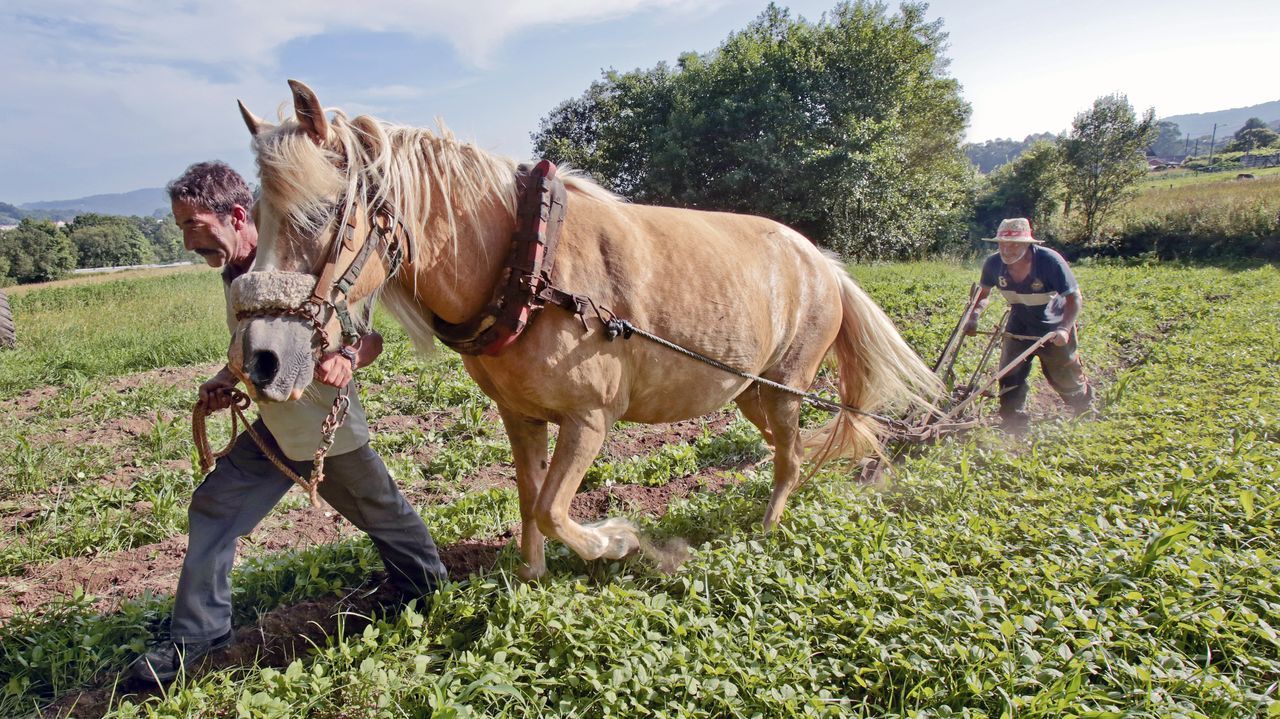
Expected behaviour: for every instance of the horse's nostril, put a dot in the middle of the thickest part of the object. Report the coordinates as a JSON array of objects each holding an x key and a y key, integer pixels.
[{"x": 263, "y": 366}]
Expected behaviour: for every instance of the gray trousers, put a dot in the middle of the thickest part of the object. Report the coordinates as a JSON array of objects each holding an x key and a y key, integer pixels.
[
  {"x": 245, "y": 486},
  {"x": 1061, "y": 366}
]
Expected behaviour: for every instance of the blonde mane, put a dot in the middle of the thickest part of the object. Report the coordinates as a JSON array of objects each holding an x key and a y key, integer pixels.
[{"x": 408, "y": 168}]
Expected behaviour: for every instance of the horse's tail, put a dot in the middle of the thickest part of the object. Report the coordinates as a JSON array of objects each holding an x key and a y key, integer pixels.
[{"x": 879, "y": 372}]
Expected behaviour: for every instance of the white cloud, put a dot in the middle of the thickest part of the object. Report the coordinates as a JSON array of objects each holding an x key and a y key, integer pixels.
[{"x": 107, "y": 95}]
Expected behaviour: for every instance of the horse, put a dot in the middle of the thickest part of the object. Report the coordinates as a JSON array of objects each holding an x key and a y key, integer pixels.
[{"x": 745, "y": 290}]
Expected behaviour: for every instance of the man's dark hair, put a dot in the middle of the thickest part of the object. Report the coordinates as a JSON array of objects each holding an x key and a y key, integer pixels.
[{"x": 213, "y": 185}]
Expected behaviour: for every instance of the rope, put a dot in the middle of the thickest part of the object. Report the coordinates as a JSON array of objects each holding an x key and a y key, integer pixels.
[
  {"x": 622, "y": 328},
  {"x": 239, "y": 403}
]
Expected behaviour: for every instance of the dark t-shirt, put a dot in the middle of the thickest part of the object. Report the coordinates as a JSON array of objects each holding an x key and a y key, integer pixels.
[{"x": 1037, "y": 301}]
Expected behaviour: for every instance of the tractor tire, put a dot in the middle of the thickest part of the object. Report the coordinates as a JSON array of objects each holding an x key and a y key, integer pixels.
[{"x": 8, "y": 334}]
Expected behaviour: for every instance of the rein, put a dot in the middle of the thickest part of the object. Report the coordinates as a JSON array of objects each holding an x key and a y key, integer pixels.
[{"x": 239, "y": 403}]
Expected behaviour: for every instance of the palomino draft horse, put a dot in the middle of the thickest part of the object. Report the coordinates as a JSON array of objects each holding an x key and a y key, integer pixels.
[{"x": 745, "y": 290}]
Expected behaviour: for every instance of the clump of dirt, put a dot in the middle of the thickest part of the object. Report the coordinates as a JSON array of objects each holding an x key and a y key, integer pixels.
[
  {"x": 128, "y": 475},
  {"x": 432, "y": 421},
  {"x": 191, "y": 376},
  {"x": 653, "y": 501},
  {"x": 29, "y": 402}
]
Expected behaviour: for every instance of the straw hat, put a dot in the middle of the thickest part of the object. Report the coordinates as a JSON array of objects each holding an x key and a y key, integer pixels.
[{"x": 1014, "y": 229}]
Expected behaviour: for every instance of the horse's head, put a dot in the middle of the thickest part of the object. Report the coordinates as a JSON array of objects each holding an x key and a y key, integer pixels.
[{"x": 327, "y": 240}]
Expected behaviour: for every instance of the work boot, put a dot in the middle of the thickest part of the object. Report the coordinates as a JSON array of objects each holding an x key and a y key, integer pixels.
[
  {"x": 1014, "y": 422},
  {"x": 1082, "y": 404},
  {"x": 166, "y": 659}
]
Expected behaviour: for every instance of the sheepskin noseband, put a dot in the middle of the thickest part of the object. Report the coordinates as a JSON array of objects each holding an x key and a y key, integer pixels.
[{"x": 256, "y": 291}]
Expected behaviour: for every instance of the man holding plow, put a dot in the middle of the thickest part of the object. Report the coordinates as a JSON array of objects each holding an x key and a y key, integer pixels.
[
  {"x": 211, "y": 205},
  {"x": 1044, "y": 299}
]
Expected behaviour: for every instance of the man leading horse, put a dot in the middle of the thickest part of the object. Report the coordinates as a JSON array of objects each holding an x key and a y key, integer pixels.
[{"x": 211, "y": 204}]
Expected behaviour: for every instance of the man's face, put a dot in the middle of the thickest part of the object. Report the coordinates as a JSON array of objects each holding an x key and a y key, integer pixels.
[
  {"x": 204, "y": 233},
  {"x": 1011, "y": 252}
]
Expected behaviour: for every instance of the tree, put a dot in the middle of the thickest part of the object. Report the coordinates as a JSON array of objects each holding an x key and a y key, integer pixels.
[
  {"x": 847, "y": 129},
  {"x": 992, "y": 154},
  {"x": 1103, "y": 158},
  {"x": 37, "y": 251},
  {"x": 108, "y": 241},
  {"x": 1254, "y": 135},
  {"x": 164, "y": 236},
  {"x": 1168, "y": 140},
  {"x": 1030, "y": 186}
]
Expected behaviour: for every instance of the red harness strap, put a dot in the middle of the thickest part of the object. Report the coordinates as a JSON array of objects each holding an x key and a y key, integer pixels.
[{"x": 525, "y": 284}]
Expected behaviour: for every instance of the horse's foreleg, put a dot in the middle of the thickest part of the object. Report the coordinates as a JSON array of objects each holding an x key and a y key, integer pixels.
[
  {"x": 529, "y": 449},
  {"x": 577, "y": 445},
  {"x": 783, "y": 413}
]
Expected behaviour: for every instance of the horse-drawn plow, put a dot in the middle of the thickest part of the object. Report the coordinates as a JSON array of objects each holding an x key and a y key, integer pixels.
[{"x": 961, "y": 407}]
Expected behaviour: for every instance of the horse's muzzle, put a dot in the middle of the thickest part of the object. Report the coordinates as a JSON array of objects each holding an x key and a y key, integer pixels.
[{"x": 278, "y": 357}]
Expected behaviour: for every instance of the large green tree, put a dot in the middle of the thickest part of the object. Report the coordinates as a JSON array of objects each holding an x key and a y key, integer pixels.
[
  {"x": 108, "y": 241},
  {"x": 1103, "y": 158},
  {"x": 847, "y": 128},
  {"x": 37, "y": 251}
]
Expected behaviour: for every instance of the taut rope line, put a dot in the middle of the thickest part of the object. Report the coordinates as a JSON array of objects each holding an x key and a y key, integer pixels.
[{"x": 239, "y": 403}]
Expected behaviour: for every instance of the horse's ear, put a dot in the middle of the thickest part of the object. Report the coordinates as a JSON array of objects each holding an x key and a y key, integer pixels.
[
  {"x": 251, "y": 121},
  {"x": 310, "y": 114},
  {"x": 370, "y": 134}
]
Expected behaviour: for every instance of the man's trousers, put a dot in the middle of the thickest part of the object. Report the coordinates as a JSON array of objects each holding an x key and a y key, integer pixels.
[{"x": 245, "y": 486}]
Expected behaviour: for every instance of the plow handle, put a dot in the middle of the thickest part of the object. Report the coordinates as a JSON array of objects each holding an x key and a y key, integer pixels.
[
  {"x": 999, "y": 374},
  {"x": 957, "y": 335}
]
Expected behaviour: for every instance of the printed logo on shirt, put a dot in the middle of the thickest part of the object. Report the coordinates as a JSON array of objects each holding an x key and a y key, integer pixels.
[
  {"x": 1037, "y": 285},
  {"x": 1004, "y": 281}
]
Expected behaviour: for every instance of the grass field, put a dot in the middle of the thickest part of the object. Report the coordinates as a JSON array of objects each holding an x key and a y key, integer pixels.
[
  {"x": 1173, "y": 179},
  {"x": 1123, "y": 567}
]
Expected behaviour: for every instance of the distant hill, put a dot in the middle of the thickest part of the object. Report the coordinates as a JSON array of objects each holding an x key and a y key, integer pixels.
[
  {"x": 143, "y": 203},
  {"x": 10, "y": 215},
  {"x": 1201, "y": 124}
]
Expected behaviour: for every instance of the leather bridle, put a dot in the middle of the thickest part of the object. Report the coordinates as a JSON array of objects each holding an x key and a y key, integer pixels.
[{"x": 389, "y": 230}]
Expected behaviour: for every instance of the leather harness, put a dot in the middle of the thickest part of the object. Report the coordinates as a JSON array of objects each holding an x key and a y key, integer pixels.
[{"x": 525, "y": 285}]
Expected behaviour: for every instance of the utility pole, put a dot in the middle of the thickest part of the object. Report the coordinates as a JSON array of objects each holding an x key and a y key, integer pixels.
[{"x": 1212, "y": 139}]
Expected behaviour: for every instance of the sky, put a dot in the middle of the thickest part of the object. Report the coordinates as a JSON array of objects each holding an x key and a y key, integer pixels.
[{"x": 104, "y": 96}]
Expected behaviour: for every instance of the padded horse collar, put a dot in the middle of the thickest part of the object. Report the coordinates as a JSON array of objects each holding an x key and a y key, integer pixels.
[{"x": 525, "y": 285}]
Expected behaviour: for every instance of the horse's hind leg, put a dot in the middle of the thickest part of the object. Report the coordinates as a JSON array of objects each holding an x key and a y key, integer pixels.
[
  {"x": 752, "y": 406},
  {"x": 782, "y": 412},
  {"x": 577, "y": 445},
  {"x": 529, "y": 449}
]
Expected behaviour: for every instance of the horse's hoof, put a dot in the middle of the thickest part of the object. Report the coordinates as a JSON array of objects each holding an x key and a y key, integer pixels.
[
  {"x": 621, "y": 547},
  {"x": 530, "y": 574},
  {"x": 621, "y": 538}
]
